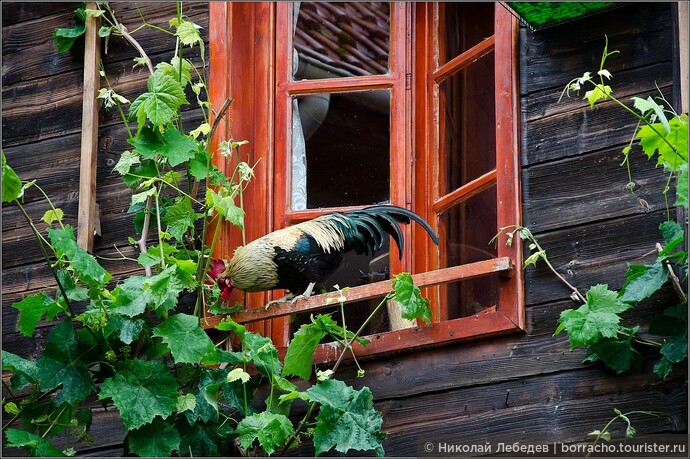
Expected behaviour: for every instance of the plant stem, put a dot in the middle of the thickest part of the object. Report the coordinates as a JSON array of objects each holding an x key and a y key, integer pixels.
[
  {"x": 46, "y": 256},
  {"x": 54, "y": 423},
  {"x": 674, "y": 279}
]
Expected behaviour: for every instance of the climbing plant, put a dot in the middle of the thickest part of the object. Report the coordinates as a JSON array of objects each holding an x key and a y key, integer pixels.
[
  {"x": 126, "y": 344},
  {"x": 662, "y": 134}
]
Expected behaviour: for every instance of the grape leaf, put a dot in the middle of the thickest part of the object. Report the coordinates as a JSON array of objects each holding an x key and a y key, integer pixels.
[
  {"x": 160, "y": 103},
  {"x": 11, "y": 184},
  {"x": 62, "y": 364},
  {"x": 675, "y": 348},
  {"x": 180, "y": 217},
  {"x": 599, "y": 92},
  {"x": 32, "y": 309},
  {"x": 663, "y": 368},
  {"x": 188, "y": 343},
  {"x": 262, "y": 353},
  {"x": 224, "y": 204},
  {"x": 127, "y": 329},
  {"x": 126, "y": 161},
  {"x": 643, "y": 281},
  {"x": 408, "y": 295},
  {"x": 200, "y": 439},
  {"x": 33, "y": 444},
  {"x": 131, "y": 298},
  {"x": 141, "y": 391},
  {"x": 157, "y": 439},
  {"x": 617, "y": 354},
  {"x": 84, "y": 264},
  {"x": 269, "y": 428},
  {"x": 52, "y": 215},
  {"x": 673, "y": 235},
  {"x": 347, "y": 419},
  {"x": 173, "y": 69},
  {"x": 188, "y": 33},
  {"x": 595, "y": 319},
  {"x": 24, "y": 372},
  {"x": 171, "y": 144},
  {"x": 204, "y": 410},
  {"x": 300, "y": 352},
  {"x": 653, "y": 139}
]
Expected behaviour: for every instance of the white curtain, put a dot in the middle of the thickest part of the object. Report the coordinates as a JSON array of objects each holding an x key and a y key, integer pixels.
[{"x": 299, "y": 151}]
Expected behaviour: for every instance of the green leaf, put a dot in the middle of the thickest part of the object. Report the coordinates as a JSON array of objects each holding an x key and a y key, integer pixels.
[
  {"x": 62, "y": 365},
  {"x": 682, "y": 186},
  {"x": 347, "y": 419},
  {"x": 200, "y": 439},
  {"x": 11, "y": 184},
  {"x": 126, "y": 161},
  {"x": 33, "y": 444},
  {"x": 643, "y": 281},
  {"x": 160, "y": 103},
  {"x": 24, "y": 372},
  {"x": 206, "y": 399},
  {"x": 595, "y": 319},
  {"x": 141, "y": 391},
  {"x": 131, "y": 297},
  {"x": 412, "y": 304},
  {"x": 127, "y": 329},
  {"x": 32, "y": 309},
  {"x": 649, "y": 104},
  {"x": 673, "y": 235},
  {"x": 675, "y": 349},
  {"x": 180, "y": 217},
  {"x": 64, "y": 37},
  {"x": 165, "y": 288},
  {"x": 224, "y": 204},
  {"x": 172, "y": 144},
  {"x": 186, "y": 402},
  {"x": 599, "y": 92},
  {"x": 188, "y": 343},
  {"x": 188, "y": 32},
  {"x": 157, "y": 439},
  {"x": 663, "y": 368},
  {"x": 173, "y": 70},
  {"x": 262, "y": 353},
  {"x": 270, "y": 429},
  {"x": 51, "y": 216},
  {"x": 654, "y": 140},
  {"x": 617, "y": 354},
  {"x": 83, "y": 263},
  {"x": 300, "y": 352}
]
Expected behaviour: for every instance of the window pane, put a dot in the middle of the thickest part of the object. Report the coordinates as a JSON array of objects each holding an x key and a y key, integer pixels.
[
  {"x": 465, "y": 232},
  {"x": 334, "y": 40},
  {"x": 468, "y": 124},
  {"x": 463, "y": 25},
  {"x": 468, "y": 297},
  {"x": 466, "y": 229},
  {"x": 341, "y": 149}
]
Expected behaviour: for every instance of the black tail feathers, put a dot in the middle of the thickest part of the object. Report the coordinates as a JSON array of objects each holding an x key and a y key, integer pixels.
[{"x": 368, "y": 227}]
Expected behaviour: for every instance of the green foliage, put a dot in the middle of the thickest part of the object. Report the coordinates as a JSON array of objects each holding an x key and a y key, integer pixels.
[
  {"x": 347, "y": 419},
  {"x": 596, "y": 325},
  {"x": 125, "y": 343}
]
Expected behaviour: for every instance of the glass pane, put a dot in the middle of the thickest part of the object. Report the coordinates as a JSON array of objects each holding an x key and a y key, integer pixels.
[
  {"x": 335, "y": 40},
  {"x": 465, "y": 232},
  {"x": 341, "y": 149},
  {"x": 463, "y": 25},
  {"x": 468, "y": 297},
  {"x": 354, "y": 271},
  {"x": 468, "y": 124}
]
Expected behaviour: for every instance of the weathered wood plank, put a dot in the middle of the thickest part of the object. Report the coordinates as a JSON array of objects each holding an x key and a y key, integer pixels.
[
  {"x": 37, "y": 56},
  {"x": 591, "y": 254},
  {"x": 572, "y": 133},
  {"x": 16, "y": 12},
  {"x": 567, "y": 51},
  {"x": 589, "y": 188},
  {"x": 626, "y": 83}
]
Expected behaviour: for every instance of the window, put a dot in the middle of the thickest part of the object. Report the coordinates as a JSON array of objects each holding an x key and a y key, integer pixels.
[{"x": 352, "y": 104}]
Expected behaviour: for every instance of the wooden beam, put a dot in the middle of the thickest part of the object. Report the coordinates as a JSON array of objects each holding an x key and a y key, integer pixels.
[
  {"x": 364, "y": 292},
  {"x": 86, "y": 222}
]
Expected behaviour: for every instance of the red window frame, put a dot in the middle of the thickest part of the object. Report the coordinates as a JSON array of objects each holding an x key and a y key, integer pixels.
[{"x": 251, "y": 67}]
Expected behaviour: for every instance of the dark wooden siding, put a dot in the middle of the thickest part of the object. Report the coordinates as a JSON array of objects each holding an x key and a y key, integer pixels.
[
  {"x": 41, "y": 122},
  {"x": 520, "y": 387}
]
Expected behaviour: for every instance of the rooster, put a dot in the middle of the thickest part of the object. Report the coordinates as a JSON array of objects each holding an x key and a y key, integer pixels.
[{"x": 298, "y": 257}]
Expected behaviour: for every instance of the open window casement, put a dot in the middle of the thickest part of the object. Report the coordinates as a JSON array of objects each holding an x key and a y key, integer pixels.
[{"x": 346, "y": 105}]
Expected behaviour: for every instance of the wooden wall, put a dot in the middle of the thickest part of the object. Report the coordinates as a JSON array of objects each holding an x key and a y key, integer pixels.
[
  {"x": 41, "y": 122},
  {"x": 520, "y": 387}
]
